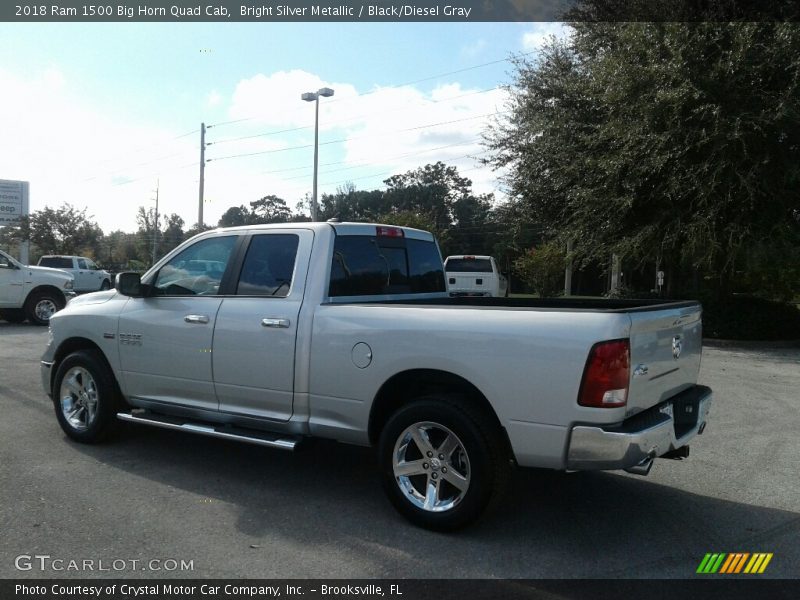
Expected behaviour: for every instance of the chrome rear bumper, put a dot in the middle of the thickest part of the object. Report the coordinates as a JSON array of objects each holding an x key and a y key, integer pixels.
[{"x": 643, "y": 437}]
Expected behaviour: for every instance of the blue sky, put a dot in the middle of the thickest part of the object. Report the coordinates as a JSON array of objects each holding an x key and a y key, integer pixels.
[{"x": 94, "y": 112}]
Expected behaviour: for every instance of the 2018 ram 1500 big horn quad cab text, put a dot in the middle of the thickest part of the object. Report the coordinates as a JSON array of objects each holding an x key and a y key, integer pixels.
[{"x": 346, "y": 331}]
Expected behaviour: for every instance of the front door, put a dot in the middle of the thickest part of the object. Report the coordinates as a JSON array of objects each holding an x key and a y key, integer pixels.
[
  {"x": 165, "y": 338},
  {"x": 256, "y": 327},
  {"x": 11, "y": 283}
]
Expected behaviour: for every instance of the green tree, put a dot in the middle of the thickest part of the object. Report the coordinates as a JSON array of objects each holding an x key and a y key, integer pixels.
[
  {"x": 271, "y": 209},
  {"x": 542, "y": 268},
  {"x": 670, "y": 142},
  {"x": 63, "y": 230}
]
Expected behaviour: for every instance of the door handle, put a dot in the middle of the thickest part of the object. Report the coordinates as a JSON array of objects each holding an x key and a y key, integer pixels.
[
  {"x": 276, "y": 323},
  {"x": 197, "y": 319}
]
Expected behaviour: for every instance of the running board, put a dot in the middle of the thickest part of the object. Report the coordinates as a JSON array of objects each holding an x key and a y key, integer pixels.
[{"x": 251, "y": 436}]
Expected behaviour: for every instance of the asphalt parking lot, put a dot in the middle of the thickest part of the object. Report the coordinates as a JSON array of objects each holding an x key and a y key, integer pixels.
[{"x": 237, "y": 510}]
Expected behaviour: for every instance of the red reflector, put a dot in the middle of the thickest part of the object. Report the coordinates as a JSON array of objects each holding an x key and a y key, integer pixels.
[
  {"x": 607, "y": 375},
  {"x": 389, "y": 232}
]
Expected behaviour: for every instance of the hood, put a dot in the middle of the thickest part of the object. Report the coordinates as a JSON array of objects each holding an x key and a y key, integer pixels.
[
  {"x": 50, "y": 272},
  {"x": 94, "y": 298}
]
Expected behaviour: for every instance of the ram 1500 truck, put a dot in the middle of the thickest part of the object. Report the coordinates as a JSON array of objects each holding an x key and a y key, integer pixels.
[
  {"x": 346, "y": 331},
  {"x": 33, "y": 293}
]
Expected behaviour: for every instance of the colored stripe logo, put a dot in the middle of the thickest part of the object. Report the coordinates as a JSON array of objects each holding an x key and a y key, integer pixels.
[{"x": 734, "y": 562}]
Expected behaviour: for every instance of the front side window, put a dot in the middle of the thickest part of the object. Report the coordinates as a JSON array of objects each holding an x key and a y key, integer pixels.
[
  {"x": 82, "y": 264},
  {"x": 268, "y": 266},
  {"x": 5, "y": 262},
  {"x": 373, "y": 265},
  {"x": 197, "y": 270}
]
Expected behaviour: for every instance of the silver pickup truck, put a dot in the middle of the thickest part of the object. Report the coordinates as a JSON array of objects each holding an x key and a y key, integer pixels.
[{"x": 346, "y": 331}]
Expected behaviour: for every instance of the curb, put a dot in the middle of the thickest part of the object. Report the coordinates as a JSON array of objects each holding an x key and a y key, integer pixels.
[{"x": 715, "y": 343}]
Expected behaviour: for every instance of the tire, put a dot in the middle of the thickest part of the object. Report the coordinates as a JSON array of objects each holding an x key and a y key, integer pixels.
[
  {"x": 106, "y": 285},
  {"x": 40, "y": 306},
  {"x": 85, "y": 397},
  {"x": 12, "y": 315},
  {"x": 471, "y": 470}
]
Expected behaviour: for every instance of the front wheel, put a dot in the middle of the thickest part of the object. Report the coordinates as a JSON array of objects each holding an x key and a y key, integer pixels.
[
  {"x": 85, "y": 397},
  {"x": 43, "y": 305},
  {"x": 442, "y": 461}
]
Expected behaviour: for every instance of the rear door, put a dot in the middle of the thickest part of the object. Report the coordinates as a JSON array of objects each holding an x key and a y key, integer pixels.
[
  {"x": 666, "y": 345},
  {"x": 256, "y": 327}
]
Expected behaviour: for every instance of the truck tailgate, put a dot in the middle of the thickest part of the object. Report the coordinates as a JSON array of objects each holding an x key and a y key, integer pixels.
[{"x": 666, "y": 345}]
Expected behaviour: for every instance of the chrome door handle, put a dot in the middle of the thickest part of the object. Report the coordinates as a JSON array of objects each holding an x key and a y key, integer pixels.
[
  {"x": 198, "y": 319},
  {"x": 276, "y": 323}
]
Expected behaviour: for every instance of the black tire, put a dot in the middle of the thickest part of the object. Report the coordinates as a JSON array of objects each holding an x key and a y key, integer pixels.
[
  {"x": 12, "y": 315},
  {"x": 487, "y": 467},
  {"x": 102, "y": 394},
  {"x": 40, "y": 306},
  {"x": 106, "y": 285}
]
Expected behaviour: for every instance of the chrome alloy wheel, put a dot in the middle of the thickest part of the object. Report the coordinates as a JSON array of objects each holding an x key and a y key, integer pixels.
[
  {"x": 431, "y": 466},
  {"x": 44, "y": 309},
  {"x": 78, "y": 396}
]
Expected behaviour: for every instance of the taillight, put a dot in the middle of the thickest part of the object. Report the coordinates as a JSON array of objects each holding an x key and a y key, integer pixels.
[
  {"x": 606, "y": 376},
  {"x": 388, "y": 232}
]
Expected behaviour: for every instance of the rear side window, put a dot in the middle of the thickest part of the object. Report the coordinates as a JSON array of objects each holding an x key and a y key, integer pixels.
[
  {"x": 55, "y": 262},
  {"x": 365, "y": 265},
  {"x": 268, "y": 266},
  {"x": 469, "y": 265}
]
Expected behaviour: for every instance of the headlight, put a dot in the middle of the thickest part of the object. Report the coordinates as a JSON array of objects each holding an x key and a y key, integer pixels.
[{"x": 68, "y": 285}]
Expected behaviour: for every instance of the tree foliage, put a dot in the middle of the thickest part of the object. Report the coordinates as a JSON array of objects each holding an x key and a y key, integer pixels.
[{"x": 670, "y": 142}]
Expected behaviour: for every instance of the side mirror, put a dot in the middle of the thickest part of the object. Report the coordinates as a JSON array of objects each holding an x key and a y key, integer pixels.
[{"x": 129, "y": 284}]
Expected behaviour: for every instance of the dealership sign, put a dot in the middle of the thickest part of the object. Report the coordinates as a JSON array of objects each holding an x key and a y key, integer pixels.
[{"x": 13, "y": 201}]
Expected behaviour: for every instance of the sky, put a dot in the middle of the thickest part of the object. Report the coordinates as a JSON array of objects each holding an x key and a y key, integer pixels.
[{"x": 99, "y": 115}]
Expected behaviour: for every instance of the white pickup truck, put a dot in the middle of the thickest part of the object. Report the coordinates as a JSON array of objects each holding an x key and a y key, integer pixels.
[
  {"x": 88, "y": 276},
  {"x": 35, "y": 293},
  {"x": 474, "y": 276},
  {"x": 346, "y": 331}
]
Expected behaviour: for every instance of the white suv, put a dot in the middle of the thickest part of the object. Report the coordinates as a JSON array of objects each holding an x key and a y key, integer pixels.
[
  {"x": 88, "y": 277},
  {"x": 469, "y": 275}
]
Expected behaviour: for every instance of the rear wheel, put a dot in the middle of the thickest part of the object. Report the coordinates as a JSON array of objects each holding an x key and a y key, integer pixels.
[
  {"x": 85, "y": 397},
  {"x": 12, "y": 315},
  {"x": 442, "y": 461},
  {"x": 40, "y": 306}
]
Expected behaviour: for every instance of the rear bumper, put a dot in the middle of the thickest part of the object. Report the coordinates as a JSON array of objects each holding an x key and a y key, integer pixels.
[{"x": 647, "y": 435}]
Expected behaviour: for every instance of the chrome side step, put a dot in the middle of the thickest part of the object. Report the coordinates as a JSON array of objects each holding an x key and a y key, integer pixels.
[{"x": 261, "y": 438}]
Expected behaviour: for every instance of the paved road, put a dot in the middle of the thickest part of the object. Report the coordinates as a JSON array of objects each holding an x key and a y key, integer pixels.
[{"x": 242, "y": 511}]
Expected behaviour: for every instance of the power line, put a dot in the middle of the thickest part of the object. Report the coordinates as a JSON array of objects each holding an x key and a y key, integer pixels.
[{"x": 360, "y": 137}]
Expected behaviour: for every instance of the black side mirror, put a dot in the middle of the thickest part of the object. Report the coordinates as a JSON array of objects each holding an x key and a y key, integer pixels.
[{"x": 129, "y": 284}]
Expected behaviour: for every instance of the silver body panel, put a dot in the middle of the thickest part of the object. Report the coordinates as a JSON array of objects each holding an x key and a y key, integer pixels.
[{"x": 316, "y": 364}]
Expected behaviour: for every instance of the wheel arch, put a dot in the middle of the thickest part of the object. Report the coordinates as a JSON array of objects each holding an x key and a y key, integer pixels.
[
  {"x": 75, "y": 344},
  {"x": 405, "y": 386},
  {"x": 46, "y": 288}
]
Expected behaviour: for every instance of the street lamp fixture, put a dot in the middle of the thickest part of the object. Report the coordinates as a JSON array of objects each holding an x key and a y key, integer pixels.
[{"x": 314, "y": 97}]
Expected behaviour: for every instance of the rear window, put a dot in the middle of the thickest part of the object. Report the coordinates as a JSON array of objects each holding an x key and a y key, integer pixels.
[
  {"x": 55, "y": 262},
  {"x": 468, "y": 265},
  {"x": 365, "y": 265}
]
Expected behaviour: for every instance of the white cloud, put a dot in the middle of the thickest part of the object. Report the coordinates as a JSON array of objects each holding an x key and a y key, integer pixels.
[
  {"x": 213, "y": 99},
  {"x": 534, "y": 39},
  {"x": 474, "y": 49}
]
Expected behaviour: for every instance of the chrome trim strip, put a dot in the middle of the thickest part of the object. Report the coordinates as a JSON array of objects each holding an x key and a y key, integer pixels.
[{"x": 282, "y": 443}]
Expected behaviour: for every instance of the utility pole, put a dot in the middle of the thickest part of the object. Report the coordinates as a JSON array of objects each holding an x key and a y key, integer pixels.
[
  {"x": 202, "y": 174},
  {"x": 155, "y": 227},
  {"x": 568, "y": 271}
]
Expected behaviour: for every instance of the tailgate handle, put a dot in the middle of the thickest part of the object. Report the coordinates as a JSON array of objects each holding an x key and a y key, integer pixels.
[{"x": 276, "y": 323}]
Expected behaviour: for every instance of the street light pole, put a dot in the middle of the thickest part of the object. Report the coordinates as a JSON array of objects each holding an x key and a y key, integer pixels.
[{"x": 314, "y": 97}]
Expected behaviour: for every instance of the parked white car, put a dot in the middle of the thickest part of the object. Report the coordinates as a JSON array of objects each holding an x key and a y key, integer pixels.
[
  {"x": 88, "y": 277},
  {"x": 469, "y": 275},
  {"x": 35, "y": 293}
]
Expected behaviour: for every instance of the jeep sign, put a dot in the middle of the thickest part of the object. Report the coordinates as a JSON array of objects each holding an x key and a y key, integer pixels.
[{"x": 13, "y": 201}]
